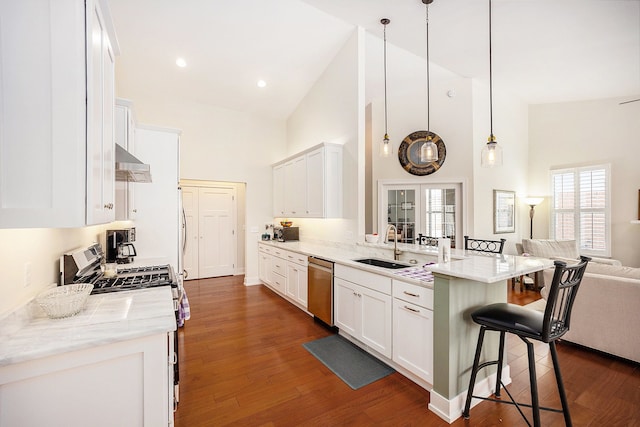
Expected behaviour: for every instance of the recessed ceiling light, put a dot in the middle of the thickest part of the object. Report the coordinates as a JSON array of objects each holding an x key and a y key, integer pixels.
[
  {"x": 180, "y": 62},
  {"x": 262, "y": 83}
]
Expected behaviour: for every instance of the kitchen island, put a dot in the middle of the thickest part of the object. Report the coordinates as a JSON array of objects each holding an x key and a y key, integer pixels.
[
  {"x": 108, "y": 365},
  {"x": 469, "y": 281}
]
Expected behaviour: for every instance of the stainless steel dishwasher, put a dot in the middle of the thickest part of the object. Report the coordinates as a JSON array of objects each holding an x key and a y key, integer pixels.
[{"x": 320, "y": 289}]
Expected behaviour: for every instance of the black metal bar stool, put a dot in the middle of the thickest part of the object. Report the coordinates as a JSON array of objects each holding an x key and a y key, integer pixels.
[
  {"x": 530, "y": 324},
  {"x": 484, "y": 245}
]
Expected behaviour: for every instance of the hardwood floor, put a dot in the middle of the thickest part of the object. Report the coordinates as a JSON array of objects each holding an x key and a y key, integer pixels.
[{"x": 243, "y": 364}]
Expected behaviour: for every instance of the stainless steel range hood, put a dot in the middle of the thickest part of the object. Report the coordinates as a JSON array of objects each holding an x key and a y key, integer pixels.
[{"x": 129, "y": 168}]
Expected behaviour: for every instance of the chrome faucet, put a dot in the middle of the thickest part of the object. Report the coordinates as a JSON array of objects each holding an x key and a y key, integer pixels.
[{"x": 396, "y": 251}]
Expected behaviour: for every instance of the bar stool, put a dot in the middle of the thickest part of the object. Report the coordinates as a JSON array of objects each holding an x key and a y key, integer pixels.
[
  {"x": 526, "y": 323},
  {"x": 483, "y": 245}
]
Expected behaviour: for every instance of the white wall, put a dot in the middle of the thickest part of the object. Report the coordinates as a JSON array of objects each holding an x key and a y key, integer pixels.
[
  {"x": 333, "y": 111},
  {"x": 460, "y": 115},
  {"x": 218, "y": 144},
  {"x": 42, "y": 248},
  {"x": 510, "y": 127},
  {"x": 590, "y": 132}
]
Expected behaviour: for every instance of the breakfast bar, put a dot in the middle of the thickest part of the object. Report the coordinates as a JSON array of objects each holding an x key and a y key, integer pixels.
[{"x": 460, "y": 287}]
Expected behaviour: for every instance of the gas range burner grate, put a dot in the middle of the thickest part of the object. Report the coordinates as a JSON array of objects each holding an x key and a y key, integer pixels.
[{"x": 132, "y": 278}]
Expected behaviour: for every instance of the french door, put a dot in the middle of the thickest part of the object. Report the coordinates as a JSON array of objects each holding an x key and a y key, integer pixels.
[{"x": 431, "y": 210}]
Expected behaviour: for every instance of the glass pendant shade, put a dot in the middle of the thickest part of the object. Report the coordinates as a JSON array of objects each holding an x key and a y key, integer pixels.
[
  {"x": 428, "y": 151},
  {"x": 491, "y": 154},
  {"x": 386, "y": 148}
]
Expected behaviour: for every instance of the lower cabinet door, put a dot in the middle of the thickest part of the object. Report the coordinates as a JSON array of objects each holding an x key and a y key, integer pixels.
[
  {"x": 413, "y": 338},
  {"x": 376, "y": 320},
  {"x": 346, "y": 307}
]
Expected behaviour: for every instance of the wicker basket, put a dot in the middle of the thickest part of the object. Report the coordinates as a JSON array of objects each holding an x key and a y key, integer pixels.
[{"x": 64, "y": 301}]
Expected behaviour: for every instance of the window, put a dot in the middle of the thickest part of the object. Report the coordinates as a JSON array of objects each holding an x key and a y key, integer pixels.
[
  {"x": 580, "y": 208},
  {"x": 432, "y": 210}
]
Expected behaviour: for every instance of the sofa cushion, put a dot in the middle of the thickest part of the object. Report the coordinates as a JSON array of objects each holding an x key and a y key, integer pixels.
[
  {"x": 612, "y": 270},
  {"x": 551, "y": 248}
]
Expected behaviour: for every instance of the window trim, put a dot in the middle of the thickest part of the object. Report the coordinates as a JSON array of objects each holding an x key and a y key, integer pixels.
[{"x": 577, "y": 210}]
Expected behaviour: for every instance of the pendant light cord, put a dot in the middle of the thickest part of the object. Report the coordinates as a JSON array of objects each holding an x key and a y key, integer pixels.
[
  {"x": 428, "y": 84},
  {"x": 490, "y": 75},
  {"x": 385, "y": 77}
]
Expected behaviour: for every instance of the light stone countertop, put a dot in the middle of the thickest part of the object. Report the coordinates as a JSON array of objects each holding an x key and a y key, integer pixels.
[
  {"x": 29, "y": 334},
  {"x": 481, "y": 267}
]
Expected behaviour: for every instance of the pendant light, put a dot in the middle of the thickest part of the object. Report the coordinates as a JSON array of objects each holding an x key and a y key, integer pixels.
[
  {"x": 491, "y": 153},
  {"x": 386, "y": 147},
  {"x": 428, "y": 150}
]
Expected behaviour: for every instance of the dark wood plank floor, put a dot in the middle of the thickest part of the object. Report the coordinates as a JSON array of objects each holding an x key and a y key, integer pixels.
[{"x": 243, "y": 364}]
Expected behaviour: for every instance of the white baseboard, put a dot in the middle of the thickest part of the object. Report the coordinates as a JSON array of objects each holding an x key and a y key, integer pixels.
[
  {"x": 252, "y": 281},
  {"x": 451, "y": 409}
]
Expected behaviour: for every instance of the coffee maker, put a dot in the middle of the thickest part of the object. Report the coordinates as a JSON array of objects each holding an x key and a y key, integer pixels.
[{"x": 120, "y": 247}]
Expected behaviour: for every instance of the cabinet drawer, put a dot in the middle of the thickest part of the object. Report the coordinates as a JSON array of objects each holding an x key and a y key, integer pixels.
[
  {"x": 414, "y": 294},
  {"x": 296, "y": 258},
  {"x": 369, "y": 280},
  {"x": 266, "y": 249},
  {"x": 280, "y": 253},
  {"x": 279, "y": 266},
  {"x": 279, "y": 282}
]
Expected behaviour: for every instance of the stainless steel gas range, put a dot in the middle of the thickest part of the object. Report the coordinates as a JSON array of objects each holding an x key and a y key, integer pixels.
[{"x": 83, "y": 265}]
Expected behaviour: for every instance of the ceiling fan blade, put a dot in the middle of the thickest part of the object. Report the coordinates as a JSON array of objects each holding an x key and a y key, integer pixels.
[{"x": 628, "y": 102}]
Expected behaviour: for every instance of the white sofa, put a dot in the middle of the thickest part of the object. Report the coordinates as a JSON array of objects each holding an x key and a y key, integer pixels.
[{"x": 606, "y": 312}]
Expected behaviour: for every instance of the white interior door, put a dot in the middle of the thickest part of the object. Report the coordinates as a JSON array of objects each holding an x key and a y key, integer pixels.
[
  {"x": 217, "y": 231},
  {"x": 190, "y": 207}
]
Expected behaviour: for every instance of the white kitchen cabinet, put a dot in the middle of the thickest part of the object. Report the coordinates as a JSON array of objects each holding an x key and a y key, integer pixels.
[
  {"x": 124, "y": 135},
  {"x": 324, "y": 182},
  {"x": 285, "y": 272},
  {"x": 100, "y": 109},
  {"x": 278, "y": 191},
  {"x": 120, "y": 384},
  {"x": 413, "y": 329},
  {"x": 264, "y": 265},
  {"x": 309, "y": 184},
  {"x": 413, "y": 338},
  {"x": 278, "y": 271},
  {"x": 295, "y": 194},
  {"x": 297, "y": 278},
  {"x": 362, "y": 311},
  {"x": 56, "y": 133}
]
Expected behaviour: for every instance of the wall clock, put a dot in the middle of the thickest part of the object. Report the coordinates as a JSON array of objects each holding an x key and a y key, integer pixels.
[{"x": 409, "y": 153}]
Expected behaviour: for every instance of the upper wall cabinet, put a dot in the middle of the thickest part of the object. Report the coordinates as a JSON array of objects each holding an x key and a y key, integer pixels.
[
  {"x": 309, "y": 184},
  {"x": 56, "y": 115},
  {"x": 124, "y": 135}
]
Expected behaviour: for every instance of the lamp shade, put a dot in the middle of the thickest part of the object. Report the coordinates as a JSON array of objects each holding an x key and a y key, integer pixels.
[{"x": 533, "y": 201}]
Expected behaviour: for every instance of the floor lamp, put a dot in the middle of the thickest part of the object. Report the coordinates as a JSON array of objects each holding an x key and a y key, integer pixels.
[{"x": 532, "y": 202}]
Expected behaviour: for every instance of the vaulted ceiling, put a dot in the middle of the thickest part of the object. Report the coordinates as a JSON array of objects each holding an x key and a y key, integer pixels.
[{"x": 544, "y": 51}]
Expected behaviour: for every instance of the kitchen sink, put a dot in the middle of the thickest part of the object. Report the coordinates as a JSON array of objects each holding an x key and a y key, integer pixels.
[{"x": 382, "y": 263}]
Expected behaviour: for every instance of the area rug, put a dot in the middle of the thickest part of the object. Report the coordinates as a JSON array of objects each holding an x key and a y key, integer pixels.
[{"x": 350, "y": 363}]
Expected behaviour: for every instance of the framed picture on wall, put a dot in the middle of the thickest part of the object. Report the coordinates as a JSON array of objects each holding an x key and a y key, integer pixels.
[{"x": 504, "y": 213}]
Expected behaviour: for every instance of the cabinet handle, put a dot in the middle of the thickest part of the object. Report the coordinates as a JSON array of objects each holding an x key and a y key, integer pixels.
[
  {"x": 412, "y": 309},
  {"x": 410, "y": 294},
  {"x": 135, "y": 211}
]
